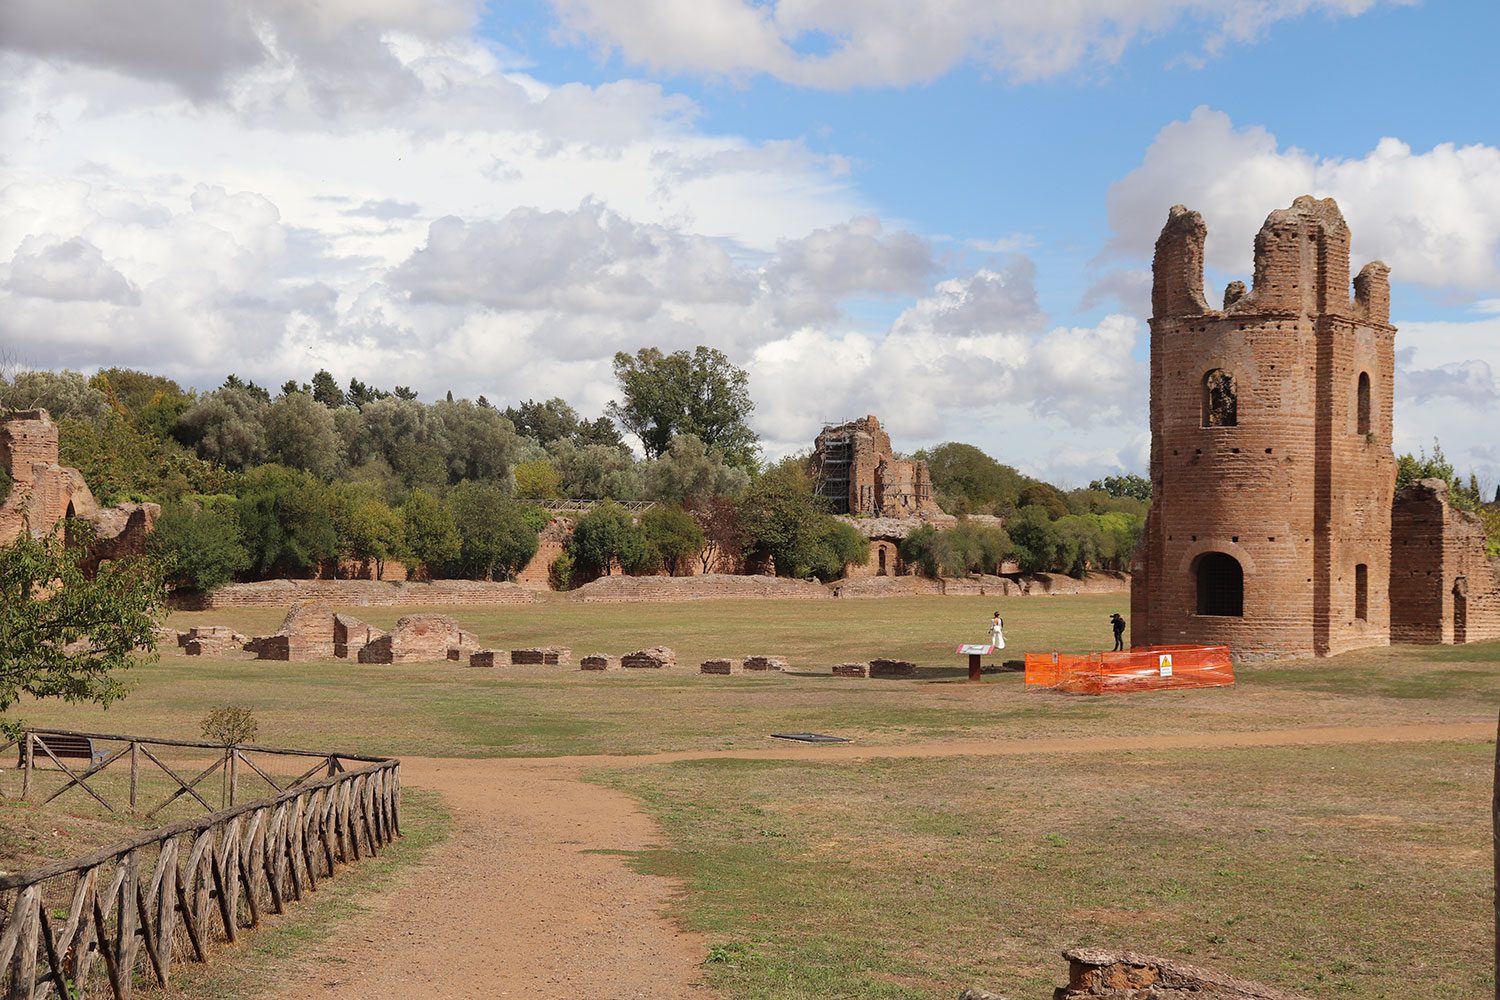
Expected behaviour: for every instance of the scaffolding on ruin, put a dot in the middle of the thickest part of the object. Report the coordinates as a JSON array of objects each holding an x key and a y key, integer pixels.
[{"x": 833, "y": 467}]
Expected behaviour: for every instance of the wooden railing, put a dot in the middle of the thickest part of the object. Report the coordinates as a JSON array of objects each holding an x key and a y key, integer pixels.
[
  {"x": 583, "y": 506},
  {"x": 236, "y": 763},
  {"x": 132, "y": 910}
]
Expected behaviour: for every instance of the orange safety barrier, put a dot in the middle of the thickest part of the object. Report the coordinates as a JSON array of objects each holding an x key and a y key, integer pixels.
[{"x": 1147, "y": 668}]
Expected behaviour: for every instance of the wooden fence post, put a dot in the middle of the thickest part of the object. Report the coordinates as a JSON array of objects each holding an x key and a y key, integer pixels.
[
  {"x": 234, "y": 773},
  {"x": 135, "y": 774},
  {"x": 26, "y": 765}
]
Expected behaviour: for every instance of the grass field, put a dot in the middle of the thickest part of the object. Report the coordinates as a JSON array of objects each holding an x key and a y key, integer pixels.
[
  {"x": 448, "y": 710},
  {"x": 1355, "y": 872},
  {"x": 1358, "y": 872}
]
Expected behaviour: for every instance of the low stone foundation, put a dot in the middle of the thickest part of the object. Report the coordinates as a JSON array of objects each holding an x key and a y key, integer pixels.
[
  {"x": 489, "y": 658},
  {"x": 599, "y": 661},
  {"x": 892, "y": 668},
  {"x": 549, "y": 656},
  {"x": 851, "y": 669},
  {"x": 709, "y": 587},
  {"x": 421, "y": 639},
  {"x": 1096, "y": 974},
  {"x": 765, "y": 663},
  {"x": 355, "y": 593},
  {"x": 211, "y": 640},
  {"x": 721, "y": 666},
  {"x": 655, "y": 658}
]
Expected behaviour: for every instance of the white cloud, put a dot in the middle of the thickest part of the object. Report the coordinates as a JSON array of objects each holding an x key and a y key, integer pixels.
[
  {"x": 1433, "y": 216},
  {"x": 72, "y": 270},
  {"x": 849, "y": 43}
]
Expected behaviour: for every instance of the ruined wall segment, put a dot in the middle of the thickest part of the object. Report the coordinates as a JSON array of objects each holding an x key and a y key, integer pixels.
[
  {"x": 856, "y": 469},
  {"x": 1271, "y": 461},
  {"x": 1444, "y": 586}
]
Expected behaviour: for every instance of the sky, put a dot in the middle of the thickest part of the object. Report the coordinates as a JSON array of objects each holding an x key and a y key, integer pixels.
[{"x": 941, "y": 213}]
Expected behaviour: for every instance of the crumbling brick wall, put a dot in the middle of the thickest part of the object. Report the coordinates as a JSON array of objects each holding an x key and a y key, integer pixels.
[
  {"x": 1444, "y": 588},
  {"x": 1292, "y": 477},
  {"x": 858, "y": 472}
]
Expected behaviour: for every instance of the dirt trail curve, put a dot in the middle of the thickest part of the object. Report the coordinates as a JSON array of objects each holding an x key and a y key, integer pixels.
[{"x": 512, "y": 905}]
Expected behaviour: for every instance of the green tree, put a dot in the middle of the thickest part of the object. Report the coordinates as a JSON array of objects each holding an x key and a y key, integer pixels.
[
  {"x": 227, "y": 426},
  {"x": 197, "y": 542},
  {"x": 1044, "y": 495},
  {"x": 836, "y": 546},
  {"x": 428, "y": 530},
  {"x": 481, "y": 443},
  {"x": 920, "y": 550},
  {"x": 300, "y": 434},
  {"x": 120, "y": 462},
  {"x": 783, "y": 519},
  {"x": 1129, "y": 485},
  {"x": 368, "y": 530},
  {"x": 967, "y": 481},
  {"x": 1084, "y": 544},
  {"x": 153, "y": 403},
  {"x": 359, "y": 394},
  {"x": 326, "y": 391},
  {"x": 604, "y": 536},
  {"x": 1410, "y": 468},
  {"x": 690, "y": 472},
  {"x": 496, "y": 538},
  {"x": 67, "y": 634},
  {"x": 285, "y": 523},
  {"x": 723, "y": 534},
  {"x": 537, "y": 480},
  {"x": 1039, "y": 545},
  {"x": 409, "y": 437},
  {"x": 62, "y": 394},
  {"x": 701, "y": 393},
  {"x": 596, "y": 472},
  {"x": 673, "y": 539}
]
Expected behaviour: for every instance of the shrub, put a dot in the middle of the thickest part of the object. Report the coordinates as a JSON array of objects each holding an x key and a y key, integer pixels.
[
  {"x": 604, "y": 536},
  {"x": 197, "y": 542},
  {"x": 229, "y": 725}
]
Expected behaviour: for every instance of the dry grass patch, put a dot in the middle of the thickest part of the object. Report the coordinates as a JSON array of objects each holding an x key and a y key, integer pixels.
[{"x": 915, "y": 879}]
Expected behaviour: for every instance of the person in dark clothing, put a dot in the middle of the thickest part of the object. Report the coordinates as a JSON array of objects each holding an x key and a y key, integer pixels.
[{"x": 1119, "y": 624}]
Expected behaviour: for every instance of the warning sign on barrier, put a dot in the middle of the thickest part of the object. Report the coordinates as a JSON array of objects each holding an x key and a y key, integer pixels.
[{"x": 1143, "y": 669}]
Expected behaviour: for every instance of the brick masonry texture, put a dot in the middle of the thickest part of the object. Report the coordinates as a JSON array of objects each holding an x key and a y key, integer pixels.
[
  {"x": 765, "y": 663},
  {"x": 892, "y": 668},
  {"x": 1443, "y": 586},
  {"x": 1298, "y": 487},
  {"x": 851, "y": 669},
  {"x": 359, "y": 593},
  {"x": 858, "y": 471},
  {"x": 713, "y": 586},
  {"x": 655, "y": 658},
  {"x": 599, "y": 661},
  {"x": 549, "y": 656},
  {"x": 721, "y": 666},
  {"x": 421, "y": 639},
  {"x": 489, "y": 658},
  {"x": 43, "y": 492}
]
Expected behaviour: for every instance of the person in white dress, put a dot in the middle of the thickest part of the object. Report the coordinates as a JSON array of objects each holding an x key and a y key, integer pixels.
[{"x": 997, "y": 635}]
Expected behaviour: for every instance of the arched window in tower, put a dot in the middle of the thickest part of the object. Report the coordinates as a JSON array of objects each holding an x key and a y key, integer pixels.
[
  {"x": 1221, "y": 585},
  {"x": 1362, "y": 402},
  {"x": 1220, "y": 403},
  {"x": 1362, "y": 592}
]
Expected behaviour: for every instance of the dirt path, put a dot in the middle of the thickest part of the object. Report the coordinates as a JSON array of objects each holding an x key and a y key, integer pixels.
[{"x": 512, "y": 905}]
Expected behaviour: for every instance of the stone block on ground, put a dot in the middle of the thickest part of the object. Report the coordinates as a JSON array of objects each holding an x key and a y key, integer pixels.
[
  {"x": 765, "y": 663},
  {"x": 489, "y": 658},
  {"x": 892, "y": 668},
  {"x": 599, "y": 661},
  {"x": 350, "y": 635},
  {"x": 211, "y": 640},
  {"x": 1097, "y": 974},
  {"x": 655, "y": 658},
  {"x": 721, "y": 666},
  {"x": 851, "y": 669},
  {"x": 416, "y": 639},
  {"x": 550, "y": 656}
]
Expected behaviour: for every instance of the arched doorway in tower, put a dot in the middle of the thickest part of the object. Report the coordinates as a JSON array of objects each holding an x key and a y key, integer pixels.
[
  {"x": 882, "y": 571},
  {"x": 1220, "y": 583},
  {"x": 1461, "y": 610}
]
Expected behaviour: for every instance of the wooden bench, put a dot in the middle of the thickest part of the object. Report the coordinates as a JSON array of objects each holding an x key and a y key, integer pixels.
[{"x": 62, "y": 745}]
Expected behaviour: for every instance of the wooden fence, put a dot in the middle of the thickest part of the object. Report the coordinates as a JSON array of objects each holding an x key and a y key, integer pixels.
[
  {"x": 167, "y": 895},
  {"x": 237, "y": 763},
  {"x": 584, "y": 506}
]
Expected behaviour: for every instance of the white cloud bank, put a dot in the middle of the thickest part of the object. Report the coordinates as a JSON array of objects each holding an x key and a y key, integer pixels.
[{"x": 848, "y": 43}]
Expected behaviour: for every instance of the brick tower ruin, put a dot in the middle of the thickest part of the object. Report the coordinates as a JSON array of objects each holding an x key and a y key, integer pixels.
[
  {"x": 856, "y": 469},
  {"x": 1271, "y": 463}
]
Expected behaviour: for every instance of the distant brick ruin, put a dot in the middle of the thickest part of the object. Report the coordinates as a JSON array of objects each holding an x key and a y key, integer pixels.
[
  {"x": 859, "y": 474},
  {"x": 1274, "y": 528},
  {"x": 44, "y": 493}
]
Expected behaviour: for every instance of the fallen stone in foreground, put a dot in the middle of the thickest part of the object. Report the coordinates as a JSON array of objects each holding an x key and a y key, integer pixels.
[
  {"x": 721, "y": 666},
  {"x": 655, "y": 658},
  {"x": 892, "y": 668},
  {"x": 1097, "y": 974},
  {"x": 551, "y": 656},
  {"x": 765, "y": 663},
  {"x": 489, "y": 658},
  {"x": 851, "y": 669},
  {"x": 599, "y": 661}
]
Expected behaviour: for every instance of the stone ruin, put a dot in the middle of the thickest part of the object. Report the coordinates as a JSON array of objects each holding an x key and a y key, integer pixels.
[
  {"x": 210, "y": 640},
  {"x": 851, "y": 670},
  {"x": 765, "y": 663},
  {"x": 856, "y": 469},
  {"x": 420, "y": 639},
  {"x": 723, "y": 666},
  {"x": 600, "y": 661},
  {"x": 655, "y": 658},
  {"x": 489, "y": 658},
  {"x": 1275, "y": 528},
  {"x": 314, "y": 631},
  {"x": 551, "y": 656},
  {"x": 878, "y": 667},
  {"x": 1098, "y": 974},
  {"x": 44, "y": 493}
]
